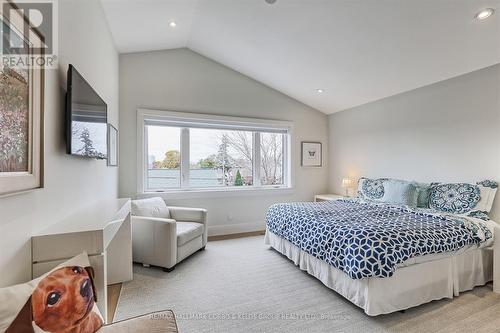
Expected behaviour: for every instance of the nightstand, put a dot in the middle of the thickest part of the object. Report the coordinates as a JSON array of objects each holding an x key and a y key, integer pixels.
[{"x": 327, "y": 197}]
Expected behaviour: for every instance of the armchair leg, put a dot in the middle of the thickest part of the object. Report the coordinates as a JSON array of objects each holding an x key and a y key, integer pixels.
[
  {"x": 168, "y": 270},
  {"x": 202, "y": 249}
]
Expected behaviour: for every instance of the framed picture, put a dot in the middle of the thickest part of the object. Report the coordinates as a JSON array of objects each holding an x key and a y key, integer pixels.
[
  {"x": 21, "y": 108},
  {"x": 312, "y": 154},
  {"x": 112, "y": 146}
]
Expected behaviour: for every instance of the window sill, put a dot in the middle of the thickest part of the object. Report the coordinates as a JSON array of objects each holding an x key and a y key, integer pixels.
[{"x": 217, "y": 193}]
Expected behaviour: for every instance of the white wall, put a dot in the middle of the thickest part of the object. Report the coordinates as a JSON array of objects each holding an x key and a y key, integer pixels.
[
  {"x": 182, "y": 80},
  {"x": 448, "y": 131},
  {"x": 70, "y": 182}
]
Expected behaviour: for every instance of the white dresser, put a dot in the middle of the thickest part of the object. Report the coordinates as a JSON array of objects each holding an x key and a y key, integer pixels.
[{"x": 103, "y": 231}]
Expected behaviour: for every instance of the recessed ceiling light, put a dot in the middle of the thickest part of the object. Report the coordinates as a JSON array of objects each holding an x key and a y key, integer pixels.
[
  {"x": 319, "y": 91},
  {"x": 484, "y": 14},
  {"x": 172, "y": 24},
  {"x": 270, "y": 1}
]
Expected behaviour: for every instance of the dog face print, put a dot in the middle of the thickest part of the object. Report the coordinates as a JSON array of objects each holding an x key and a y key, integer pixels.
[{"x": 63, "y": 302}]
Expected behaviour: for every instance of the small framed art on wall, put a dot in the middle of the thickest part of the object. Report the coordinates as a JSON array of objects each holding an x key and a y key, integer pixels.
[{"x": 311, "y": 153}]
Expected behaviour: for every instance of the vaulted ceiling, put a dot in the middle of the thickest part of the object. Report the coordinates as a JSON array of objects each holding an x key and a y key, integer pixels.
[{"x": 356, "y": 51}]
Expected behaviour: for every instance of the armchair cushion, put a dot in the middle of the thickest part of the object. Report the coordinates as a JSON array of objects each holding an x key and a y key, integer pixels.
[
  {"x": 187, "y": 231},
  {"x": 151, "y": 207}
]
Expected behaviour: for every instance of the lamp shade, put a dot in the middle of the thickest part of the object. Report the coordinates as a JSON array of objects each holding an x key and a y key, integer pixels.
[{"x": 347, "y": 182}]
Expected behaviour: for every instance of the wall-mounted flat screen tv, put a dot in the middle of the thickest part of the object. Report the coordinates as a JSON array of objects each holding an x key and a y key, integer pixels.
[{"x": 86, "y": 118}]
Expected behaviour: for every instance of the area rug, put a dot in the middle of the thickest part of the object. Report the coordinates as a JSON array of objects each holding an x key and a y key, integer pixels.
[{"x": 241, "y": 285}]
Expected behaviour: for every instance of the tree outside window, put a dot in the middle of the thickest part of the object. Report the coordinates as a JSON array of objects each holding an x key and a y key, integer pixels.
[{"x": 218, "y": 158}]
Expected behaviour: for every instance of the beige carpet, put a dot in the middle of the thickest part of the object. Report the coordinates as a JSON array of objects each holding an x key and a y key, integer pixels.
[{"x": 240, "y": 285}]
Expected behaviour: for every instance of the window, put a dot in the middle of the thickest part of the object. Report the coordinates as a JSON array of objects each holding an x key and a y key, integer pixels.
[
  {"x": 220, "y": 158},
  {"x": 21, "y": 109},
  {"x": 185, "y": 152},
  {"x": 271, "y": 158},
  {"x": 164, "y": 157}
]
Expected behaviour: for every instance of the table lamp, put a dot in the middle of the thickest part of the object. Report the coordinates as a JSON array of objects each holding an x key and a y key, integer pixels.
[{"x": 347, "y": 183}]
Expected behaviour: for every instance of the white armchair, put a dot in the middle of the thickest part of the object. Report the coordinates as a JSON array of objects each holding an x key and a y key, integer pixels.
[{"x": 164, "y": 236}]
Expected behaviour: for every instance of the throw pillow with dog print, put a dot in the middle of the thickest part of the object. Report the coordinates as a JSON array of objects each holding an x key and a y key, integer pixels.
[{"x": 61, "y": 301}]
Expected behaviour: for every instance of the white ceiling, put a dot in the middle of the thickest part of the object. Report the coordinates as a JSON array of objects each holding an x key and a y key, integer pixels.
[{"x": 358, "y": 51}]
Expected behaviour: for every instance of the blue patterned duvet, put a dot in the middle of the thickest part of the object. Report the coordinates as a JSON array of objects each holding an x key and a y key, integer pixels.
[{"x": 370, "y": 239}]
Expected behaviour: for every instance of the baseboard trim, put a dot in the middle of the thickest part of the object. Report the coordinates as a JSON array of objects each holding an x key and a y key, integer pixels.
[
  {"x": 239, "y": 235},
  {"x": 229, "y": 229}
]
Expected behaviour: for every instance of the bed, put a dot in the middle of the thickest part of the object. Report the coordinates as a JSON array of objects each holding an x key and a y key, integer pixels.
[{"x": 384, "y": 257}]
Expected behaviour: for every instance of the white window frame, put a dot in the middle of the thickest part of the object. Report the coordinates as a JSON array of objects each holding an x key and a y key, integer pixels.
[
  {"x": 186, "y": 119},
  {"x": 12, "y": 183}
]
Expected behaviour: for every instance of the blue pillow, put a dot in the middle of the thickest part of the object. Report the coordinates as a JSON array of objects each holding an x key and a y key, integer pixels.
[
  {"x": 400, "y": 192},
  {"x": 424, "y": 192}
]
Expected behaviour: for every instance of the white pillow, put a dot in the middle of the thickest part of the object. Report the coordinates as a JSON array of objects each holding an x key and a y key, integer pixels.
[
  {"x": 371, "y": 189},
  {"x": 152, "y": 207},
  {"x": 488, "y": 192},
  {"x": 39, "y": 305}
]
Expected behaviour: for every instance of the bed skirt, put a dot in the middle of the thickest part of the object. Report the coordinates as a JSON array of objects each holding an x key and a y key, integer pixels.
[{"x": 409, "y": 286}]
